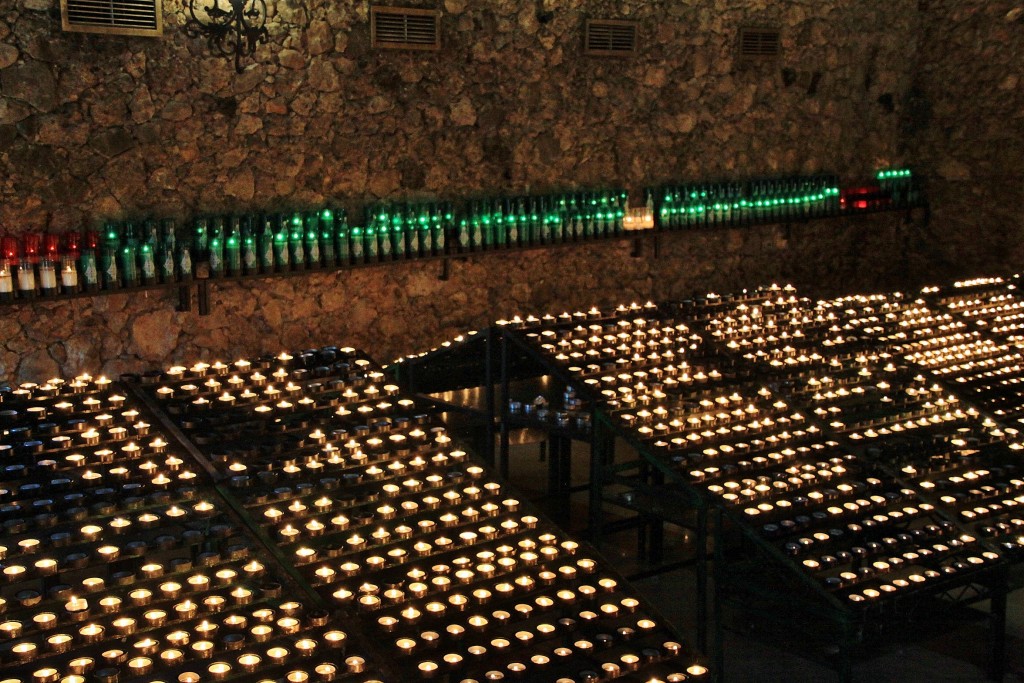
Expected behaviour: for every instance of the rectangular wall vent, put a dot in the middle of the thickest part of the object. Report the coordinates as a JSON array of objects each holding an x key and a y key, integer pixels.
[
  {"x": 760, "y": 43},
  {"x": 123, "y": 17},
  {"x": 405, "y": 28},
  {"x": 610, "y": 38}
]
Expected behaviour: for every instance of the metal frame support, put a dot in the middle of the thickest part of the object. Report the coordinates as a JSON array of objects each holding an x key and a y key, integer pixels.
[
  {"x": 184, "y": 298},
  {"x": 595, "y": 509},
  {"x": 717, "y": 625},
  {"x": 638, "y": 247},
  {"x": 701, "y": 548},
  {"x": 559, "y": 457},
  {"x": 997, "y": 626},
  {"x": 845, "y": 657},
  {"x": 504, "y": 465},
  {"x": 203, "y": 294},
  {"x": 489, "y": 397}
]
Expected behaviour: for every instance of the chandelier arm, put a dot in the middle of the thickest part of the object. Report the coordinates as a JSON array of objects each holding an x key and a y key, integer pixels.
[{"x": 234, "y": 33}]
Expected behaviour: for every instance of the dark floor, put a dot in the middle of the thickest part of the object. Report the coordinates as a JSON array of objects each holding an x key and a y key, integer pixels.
[{"x": 956, "y": 650}]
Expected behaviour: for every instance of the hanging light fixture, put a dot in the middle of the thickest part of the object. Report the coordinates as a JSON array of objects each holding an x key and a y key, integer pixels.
[{"x": 233, "y": 31}]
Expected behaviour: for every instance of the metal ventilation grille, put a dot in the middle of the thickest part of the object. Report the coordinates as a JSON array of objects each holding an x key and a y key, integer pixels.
[
  {"x": 610, "y": 38},
  {"x": 405, "y": 28},
  {"x": 125, "y": 17},
  {"x": 760, "y": 43}
]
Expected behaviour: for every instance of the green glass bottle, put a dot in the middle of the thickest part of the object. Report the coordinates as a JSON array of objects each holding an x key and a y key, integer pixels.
[
  {"x": 488, "y": 230},
  {"x": 87, "y": 267},
  {"x": 265, "y": 246},
  {"x": 579, "y": 228},
  {"x": 216, "y": 259},
  {"x": 421, "y": 235},
  {"x": 108, "y": 267},
  {"x": 311, "y": 229},
  {"x": 296, "y": 250},
  {"x": 542, "y": 228},
  {"x": 619, "y": 224},
  {"x": 358, "y": 242},
  {"x": 128, "y": 265},
  {"x": 150, "y": 231},
  {"x": 499, "y": 229},
  {"x": 184, "y": 261},
  {"x": 233, "y": 248},
  {"x": 384, "y": 243},
  {"x": 250, "y": 247},
  {"x": 111, "y": 236},
  {"x": 282, "y": 252},
  {"x": 379, "y": 220},
  {"x": 476, "y": 228},
  {"x": 147, "y": 262},
  {"x": 534, "y": 221},
  {"x": 343, "y": 238},
  {"x": 400, "y": 225},
  {"x": 370, "y": 245},
  {"x": 532, "y": 218},
  {"x": 557, "y": 217},
  {"x": 328, "y": 252},
  {"x": 445, "y": 229},
  {"x": 521, "y": 221},
  {"x": 572, "y": 214},
  {"x": 410, "y": 236},
  {"x": 200, "y": 238},
  {"x": 168, "y": 250},
  {"x": 129, "y": 235},
  {"x": 463, "y": 236},
  {"x": 215, "y": 246},
  {"x": 602, "y": 216}
]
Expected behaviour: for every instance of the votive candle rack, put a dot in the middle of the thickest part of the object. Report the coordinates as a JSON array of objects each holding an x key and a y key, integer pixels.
[{"x": 367, "y": 495}]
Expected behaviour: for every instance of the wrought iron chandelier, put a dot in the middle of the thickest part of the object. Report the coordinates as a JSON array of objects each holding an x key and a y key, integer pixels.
[{"x": 233, "y": 31}]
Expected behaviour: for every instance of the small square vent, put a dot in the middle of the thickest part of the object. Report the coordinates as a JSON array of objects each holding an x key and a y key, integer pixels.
[
  {"x": 405, "y": 28},
  {"x": 760, "y": 43},
  {"x": 123, "y": 17},
  {"x": 610, "y": 38}
]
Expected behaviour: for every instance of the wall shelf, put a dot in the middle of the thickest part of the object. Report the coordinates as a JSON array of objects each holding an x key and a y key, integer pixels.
[{"x": 643, "y": 244}]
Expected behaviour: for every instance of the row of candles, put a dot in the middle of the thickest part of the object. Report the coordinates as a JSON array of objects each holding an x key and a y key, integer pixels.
[
  {"x": 912, "y": 580},
  {"x": 426, "y": 546},
  {"x": 143, "y": 666},
  {"x": 918, "y": 405},
  {"x": 937, "y": 411},
  {"x": 971, "y": 288},
  {"x": 979, "y": 357},
  {"x": 531, "y": 322},
  {"x": 786, "y": 491},
  {"x": 982, "y": 370},
  {"x": 971, "y": 477},
  {"x": 138, "y": 533},
  {"x": 770, "y": 469},
  {"x": 986, "y": 308},
  {"x": 1001, "y": 315},
  {"x": 55, "y": 387},
  {"x": 156, "y": 566},
  {"x": 199, "y": 653},
  {"x": 138, "y": 566},
  {"x": 835, "y": 521},
  {"x": 927, "y": 332}
]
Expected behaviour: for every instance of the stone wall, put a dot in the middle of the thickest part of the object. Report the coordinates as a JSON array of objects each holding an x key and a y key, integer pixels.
[
  {"x": 95, "y": 127},
  {"x": 965, "y": 126}
]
